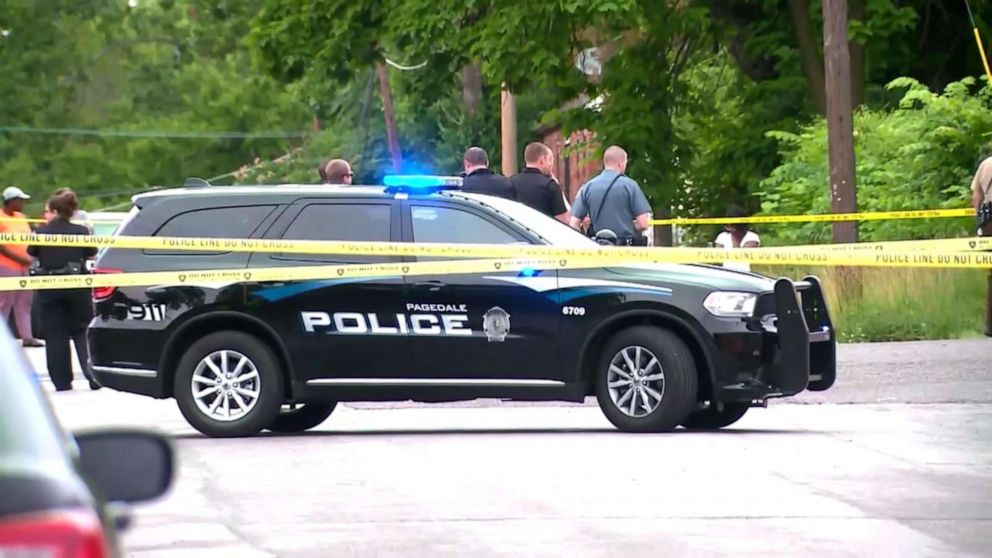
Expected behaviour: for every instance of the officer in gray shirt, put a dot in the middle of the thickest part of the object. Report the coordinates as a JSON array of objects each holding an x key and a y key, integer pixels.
[{"x": 613, "y": 201}]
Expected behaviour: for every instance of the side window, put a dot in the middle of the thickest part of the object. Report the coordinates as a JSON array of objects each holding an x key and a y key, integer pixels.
[
  {"x": 455, "y": 226},
  {"x": 216, "y": 222},
  {"x": 352, "y": 222}
]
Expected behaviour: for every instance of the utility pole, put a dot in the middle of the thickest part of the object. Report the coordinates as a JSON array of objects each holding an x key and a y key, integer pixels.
[
  {"x": 392, "y": 136},
  {"x": 508, "y": 131},
  {"x": 840, "y": 128}
]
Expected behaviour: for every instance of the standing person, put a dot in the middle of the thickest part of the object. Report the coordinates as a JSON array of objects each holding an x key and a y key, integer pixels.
[
  {"x": 737, "y": 235},
  {"x": 981, "y": 196},
  {"x": 322, "y": 171},
  {"x": 14, "y": 262},
  {"x": 536, "y": 185},
  {"x": 613, "y": 201},
  {"x": 67, "y": 311},
  {"x": 480, "y": 180},
  {"x": 338, "y": 171},
  {"x": 981, "y": 200},
  {"x": 80, "y": 216}
]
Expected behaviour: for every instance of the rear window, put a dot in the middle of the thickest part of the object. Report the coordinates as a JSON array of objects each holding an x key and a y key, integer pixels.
[
  {"x": 215, "y": 222},
  {"x": 350, "y": 222}
]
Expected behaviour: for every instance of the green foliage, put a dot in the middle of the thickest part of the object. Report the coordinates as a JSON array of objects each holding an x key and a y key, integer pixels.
[
  {"x": 723, "y": 125},
  {"x": 921, "y": 155},
  {"x": 869, "y": 305},
  {"x": 173, "y": 65},
  {"x": 528, "y": 46}
]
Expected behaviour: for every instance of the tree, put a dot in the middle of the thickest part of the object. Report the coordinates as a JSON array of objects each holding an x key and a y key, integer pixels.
[
  {"x": 173, "y": 66},
  {"x": 843, "y": 188}
]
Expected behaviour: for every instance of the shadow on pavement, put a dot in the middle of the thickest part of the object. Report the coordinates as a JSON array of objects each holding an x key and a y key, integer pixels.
[{"x": 500, "y": 431}]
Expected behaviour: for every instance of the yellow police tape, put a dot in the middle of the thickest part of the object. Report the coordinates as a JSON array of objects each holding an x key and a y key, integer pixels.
[
  {"x": 219, "y": 277},
  {"x": 194, "y": 244},
  {"x": 936, "y": 245},
  {"x": 760, "y": 219},
  {"x": 820, "y": 218},
  {"x": 511, "y": 258}
]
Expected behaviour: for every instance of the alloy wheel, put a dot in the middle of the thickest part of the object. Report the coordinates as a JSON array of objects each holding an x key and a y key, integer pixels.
[
  {"x": 636, "y": 381},
  {"x": 225, "y": 385}
]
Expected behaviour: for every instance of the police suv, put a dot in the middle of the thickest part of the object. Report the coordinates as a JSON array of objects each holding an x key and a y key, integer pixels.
[{"x": 658, "y": 345}]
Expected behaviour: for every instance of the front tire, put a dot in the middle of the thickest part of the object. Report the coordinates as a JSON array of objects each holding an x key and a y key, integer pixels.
[
  {"x": 229, "y": 384},
  {"x": 711, "y": 419},
  {"x": 646, "y": 380},
  {"x": 309, "y": 415}
]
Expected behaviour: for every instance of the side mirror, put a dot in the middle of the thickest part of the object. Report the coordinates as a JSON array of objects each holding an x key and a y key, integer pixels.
[{"x": 127, "y": 466}]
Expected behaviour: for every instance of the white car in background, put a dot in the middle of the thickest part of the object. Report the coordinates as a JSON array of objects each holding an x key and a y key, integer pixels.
[{"x": 105, "y": 222}]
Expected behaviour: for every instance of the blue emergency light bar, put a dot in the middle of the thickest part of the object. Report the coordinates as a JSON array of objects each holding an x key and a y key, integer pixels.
[{"x": 421, "y": 181}]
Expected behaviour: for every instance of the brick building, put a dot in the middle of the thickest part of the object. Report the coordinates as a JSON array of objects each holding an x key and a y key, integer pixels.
[{"x": 581, "y": 162}]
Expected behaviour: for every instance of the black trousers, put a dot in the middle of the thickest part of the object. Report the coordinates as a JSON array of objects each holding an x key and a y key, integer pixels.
[{"x": 66, "y": 313}]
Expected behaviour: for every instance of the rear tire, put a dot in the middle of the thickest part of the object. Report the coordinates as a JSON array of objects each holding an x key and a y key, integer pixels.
[
  {"x": 308, "y": 416},
  {"x": 646, "y": 380},
  {"x": 711, "y": 419},
  {"x": 229, "y": 384}
]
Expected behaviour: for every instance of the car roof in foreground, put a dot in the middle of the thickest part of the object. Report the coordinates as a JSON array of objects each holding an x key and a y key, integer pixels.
[{"x": 263, "y": 190}]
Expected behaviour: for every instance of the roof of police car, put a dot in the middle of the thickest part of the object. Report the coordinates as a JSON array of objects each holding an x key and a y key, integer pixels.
[{"x": 278, "y": 189}]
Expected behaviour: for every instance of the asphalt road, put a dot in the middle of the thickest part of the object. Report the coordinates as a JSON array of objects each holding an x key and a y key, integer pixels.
[{"x": 907, "y": 471}]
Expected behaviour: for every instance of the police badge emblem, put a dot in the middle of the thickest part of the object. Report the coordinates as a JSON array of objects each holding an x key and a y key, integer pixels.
[{"x": 496, "y": 324}]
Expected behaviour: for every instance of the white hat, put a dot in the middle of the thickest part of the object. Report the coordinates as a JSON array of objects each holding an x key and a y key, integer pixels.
[{"x": 14, "y": 193}]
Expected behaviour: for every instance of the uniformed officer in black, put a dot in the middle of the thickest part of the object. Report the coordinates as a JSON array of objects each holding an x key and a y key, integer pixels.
[
  {"x": 67, "y": 312},
  {"x": 480, "y": 180},
  {"x": 536, "y": 185}
]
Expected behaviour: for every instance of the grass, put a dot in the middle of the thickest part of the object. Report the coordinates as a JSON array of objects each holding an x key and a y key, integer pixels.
[{"x": 899, "y": 304}]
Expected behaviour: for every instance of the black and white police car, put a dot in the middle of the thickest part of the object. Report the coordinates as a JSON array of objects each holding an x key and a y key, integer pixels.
[{"x": 658, "y": 345}]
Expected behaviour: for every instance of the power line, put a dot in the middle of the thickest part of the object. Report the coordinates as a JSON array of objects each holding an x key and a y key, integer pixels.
[
  {"x": 153, "y": 133},
  {"x": 405, "y": 68}
]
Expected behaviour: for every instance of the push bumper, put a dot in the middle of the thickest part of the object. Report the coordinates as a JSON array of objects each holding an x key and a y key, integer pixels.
[
  {"x": 790, "y": 346},
  {"x": 806, "y": 353}
]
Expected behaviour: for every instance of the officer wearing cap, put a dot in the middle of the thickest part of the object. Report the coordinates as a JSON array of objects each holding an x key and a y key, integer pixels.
[
  {"x": 613, "y": 201},
  {"x": 14, "y": 262}
]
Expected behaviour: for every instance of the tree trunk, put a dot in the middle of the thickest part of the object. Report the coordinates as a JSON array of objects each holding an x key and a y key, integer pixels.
[
  {"x": 808, "y": 54},
  {"x": 840, "y": 132},
  {"x": 508, "y": 132},
  {"x": 663, "y": 234},
  {"x": 856, "y": 12},
  {"x": 392, "y": 135},
  {"x": 471, "y": 78}
]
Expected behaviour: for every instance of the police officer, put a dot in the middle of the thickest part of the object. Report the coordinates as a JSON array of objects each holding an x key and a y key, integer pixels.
[
  {"x": 536, "y": 185},
  {"x": 67, "y": 312},
  {"x": 613, "y": 201},
  {"x": 981, "y": 199},
  {"x": 338, "y": 171},
  {"x": 480, "y": 180}
]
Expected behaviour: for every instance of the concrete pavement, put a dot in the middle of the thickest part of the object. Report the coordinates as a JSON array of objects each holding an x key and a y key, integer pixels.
[
  {"x": 891, "y": 479},
  {"x": 791, "y": 480}
]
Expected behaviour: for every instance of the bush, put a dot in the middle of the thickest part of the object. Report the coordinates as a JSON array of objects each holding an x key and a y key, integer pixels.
[
  {"x": 920, "y": 155},
  {"x": 879, "y": 304}
]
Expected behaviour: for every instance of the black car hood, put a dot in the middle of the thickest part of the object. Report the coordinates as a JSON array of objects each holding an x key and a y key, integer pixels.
[{"x": 703, "y": 276}]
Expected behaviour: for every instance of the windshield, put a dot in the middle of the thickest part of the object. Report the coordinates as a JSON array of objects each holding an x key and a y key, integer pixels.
[{"x": 552, "y": 230}]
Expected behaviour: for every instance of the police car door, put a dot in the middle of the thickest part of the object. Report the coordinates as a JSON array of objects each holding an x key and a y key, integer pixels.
[
  {"x": 483, "y": 326},
  {"x": 334, "y": 328}
]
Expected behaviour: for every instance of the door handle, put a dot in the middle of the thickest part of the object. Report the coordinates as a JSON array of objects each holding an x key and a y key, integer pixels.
[{"x": 429, "y": 285}]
